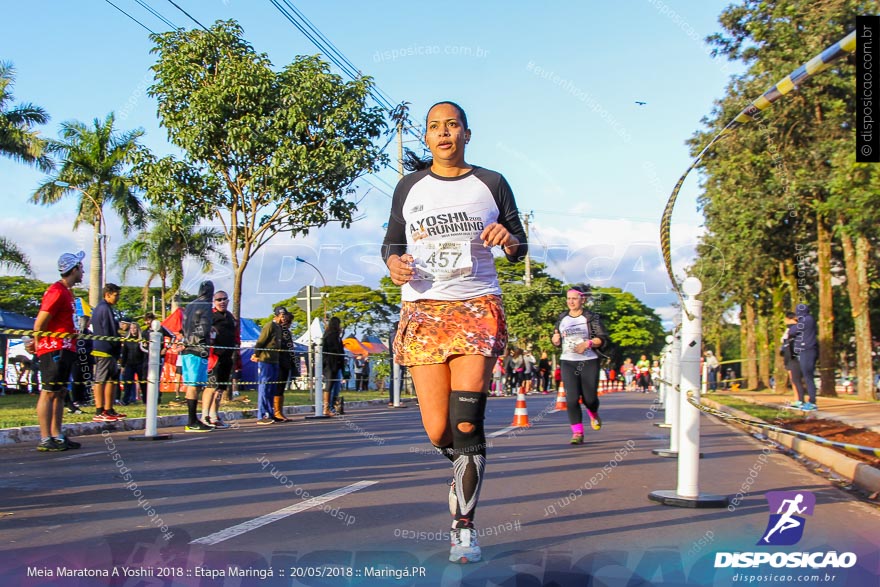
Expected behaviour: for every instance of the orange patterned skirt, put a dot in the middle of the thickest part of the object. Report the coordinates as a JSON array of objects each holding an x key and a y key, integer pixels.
[{"x": 432, "y": 331}]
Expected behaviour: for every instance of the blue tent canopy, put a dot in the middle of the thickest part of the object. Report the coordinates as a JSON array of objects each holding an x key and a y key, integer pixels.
[{"x": 17, "y": 321}]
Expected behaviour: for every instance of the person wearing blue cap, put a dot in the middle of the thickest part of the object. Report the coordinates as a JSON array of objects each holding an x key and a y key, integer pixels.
[{"x": 56, "y": 355}]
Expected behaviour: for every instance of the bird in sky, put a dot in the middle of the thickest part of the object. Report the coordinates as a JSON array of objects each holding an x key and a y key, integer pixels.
[{"x": 640, "y": 103}]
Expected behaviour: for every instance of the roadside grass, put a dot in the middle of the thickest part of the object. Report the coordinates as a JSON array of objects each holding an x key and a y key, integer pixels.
[{"x": 763, "y": 412}]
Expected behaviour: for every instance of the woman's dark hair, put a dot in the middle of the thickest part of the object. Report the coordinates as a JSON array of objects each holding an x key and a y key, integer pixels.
[
  {"x": 334, "y": 325},
  {"x": 411, "y": 161}
]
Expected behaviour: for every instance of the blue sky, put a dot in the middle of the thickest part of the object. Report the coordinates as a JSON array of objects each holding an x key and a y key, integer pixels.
[{"x": 550, "y": 94}]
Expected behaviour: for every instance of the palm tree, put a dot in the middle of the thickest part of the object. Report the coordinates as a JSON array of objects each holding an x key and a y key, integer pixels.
[
  {"x": 94, "y": 164},
  {"x": 18, "y": 140},
  {"x": 12, "y": 257},
  {"x": 163, "y": 248}
]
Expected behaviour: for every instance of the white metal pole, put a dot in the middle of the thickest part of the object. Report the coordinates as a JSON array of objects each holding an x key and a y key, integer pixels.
[
  {"x": 396, "y": 377},
  {"x": 704, "y": 375},
  {"x": 319, "y": 378},
  {"x": 689, "y": 416},
  {"x": 154, "y": 374}
]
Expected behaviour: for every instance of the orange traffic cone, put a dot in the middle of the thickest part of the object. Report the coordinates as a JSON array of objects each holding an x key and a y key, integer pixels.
[
  {"x": 560, "y": 398},
  {"x": 520, "y": 413}
]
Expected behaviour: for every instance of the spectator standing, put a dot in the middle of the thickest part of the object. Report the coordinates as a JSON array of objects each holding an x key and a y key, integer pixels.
[
  {"x": 362, "y": 372},
  {"x": 198, "y": 335},
  {"x": 712, "y": 367},
  {"x": 266, "y": 357},
  {"x": 286, "y": 367},
  {"x": 544, "y": 368},
  {"x": 134, "y": 363},
  {"x": 792, "y": 365},
  {"x": 629, "y": 372},
  {"x": 643, "y": 371},
  {"x": 529, "y": 367},
  {"x": 806, "y": 346},
  {"x": 56, "y": 355},
  {"x": 223, "y": 358},
  {"x": 106, "y": 354},
  {"x": 334, "y": 362}
]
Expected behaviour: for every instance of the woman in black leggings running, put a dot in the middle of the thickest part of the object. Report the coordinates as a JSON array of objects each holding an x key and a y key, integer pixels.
[{"x": 580, "y": 332}]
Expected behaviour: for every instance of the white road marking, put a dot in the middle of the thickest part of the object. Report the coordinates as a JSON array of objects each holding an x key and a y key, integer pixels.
[
  {"x": 302, "y": 506},
  {"x": 502, "y": 431},
  {"x": 82, "y": 454}
]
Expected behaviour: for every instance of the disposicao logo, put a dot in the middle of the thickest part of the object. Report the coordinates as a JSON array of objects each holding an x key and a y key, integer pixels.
[{"x": 785, "y": 528}]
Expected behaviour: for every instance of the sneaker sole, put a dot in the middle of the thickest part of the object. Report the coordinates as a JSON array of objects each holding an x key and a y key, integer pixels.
[{"x": 463, "y": 560}]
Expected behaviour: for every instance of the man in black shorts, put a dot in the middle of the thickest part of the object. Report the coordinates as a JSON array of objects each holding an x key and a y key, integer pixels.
[
  {"x": 57, "y": 355},
  {"x": 221, "y": 361}
]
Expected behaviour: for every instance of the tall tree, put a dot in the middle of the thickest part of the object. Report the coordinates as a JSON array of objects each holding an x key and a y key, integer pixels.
[
  {"x": 531, "y": 311},
  {"x": 265, "y": 152},
  {"x": 855, "y": 203},
  {"x": 805, "y": 130},
  {"x": 12, "y": 257},
  {"x": 163, "y": 248},
  {"x": 20, "y": 142},
  {"x": 18, "y": 138},
  {"x": 94, "y": 166}
]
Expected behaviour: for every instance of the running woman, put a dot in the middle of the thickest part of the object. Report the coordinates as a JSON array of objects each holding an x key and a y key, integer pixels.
[
  {"x": 445, "y": 219},
  {"x": 579, "y": 332}
]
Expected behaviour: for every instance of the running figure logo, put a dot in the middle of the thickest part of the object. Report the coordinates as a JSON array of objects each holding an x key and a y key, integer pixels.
[{"x": 786, "y": 527}]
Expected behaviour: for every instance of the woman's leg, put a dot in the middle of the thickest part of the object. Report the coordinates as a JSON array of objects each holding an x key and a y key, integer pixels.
[
  {"x": 572, "y": 383},
  {"x": 589, "y": 380},
  {"x": 452, "y": 400}
]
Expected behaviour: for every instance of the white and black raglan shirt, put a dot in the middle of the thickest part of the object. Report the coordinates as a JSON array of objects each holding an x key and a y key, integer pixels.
[
  {"x": 438, "y": 220},
  {"x": 574, "y": 330}
]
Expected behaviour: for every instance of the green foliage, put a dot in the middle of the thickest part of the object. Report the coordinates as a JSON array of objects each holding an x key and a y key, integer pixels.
[
  {"x": 94, "y": 166},
  {"x": 768, "y": 184},
  {"x": 265, "y": 152},
  {"x": 634, "y": 328},
  {"x": 13, "y": 257},
  {"x": 18, "y": 138},
  {"x": 360, "y": 309},
  {"x": 531, "y": 311},
  {"x": 172, "y": 238},
  {"x": 22, "y": 295}
]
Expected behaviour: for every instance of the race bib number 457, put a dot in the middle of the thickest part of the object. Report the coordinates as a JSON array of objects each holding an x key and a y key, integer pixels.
[{"x": 443, "y": 260}]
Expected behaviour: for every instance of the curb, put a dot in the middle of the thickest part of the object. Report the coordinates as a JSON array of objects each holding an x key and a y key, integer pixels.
[
  {"x": 23, "y": 434},
  {"x": 863, "y": 475}
]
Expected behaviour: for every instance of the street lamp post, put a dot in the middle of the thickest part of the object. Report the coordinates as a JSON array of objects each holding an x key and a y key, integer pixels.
[
  {"x": 314, "y": 367},
  {"x": 323, "y": 281}
]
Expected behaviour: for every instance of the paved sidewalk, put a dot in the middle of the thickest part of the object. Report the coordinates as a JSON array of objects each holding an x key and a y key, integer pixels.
[{"x": 857, "y": 413}]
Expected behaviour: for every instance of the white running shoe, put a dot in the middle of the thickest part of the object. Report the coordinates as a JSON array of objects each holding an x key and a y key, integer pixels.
[{"x": 464, "y": 548}]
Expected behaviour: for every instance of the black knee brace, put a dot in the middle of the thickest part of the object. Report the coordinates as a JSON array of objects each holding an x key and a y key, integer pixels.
[{"x": 468, "y": 407}]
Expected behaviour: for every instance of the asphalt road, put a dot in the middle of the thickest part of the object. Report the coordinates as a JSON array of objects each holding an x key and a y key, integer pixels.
[{"x": 361, "y": 500}]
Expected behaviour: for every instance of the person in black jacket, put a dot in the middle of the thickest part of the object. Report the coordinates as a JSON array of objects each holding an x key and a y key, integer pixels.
[
  {"x": 334, "y": 361},
  {"x": 580, "y": 332},
  {"x": 222, "y": 360},
  {"x": 198, "y": 335},
  {"x": 134, "y": 362},
  {"x": 106, "y": 353},
  {"x": 789, "y": 357},
  {"x": 806, "y": 347}
]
